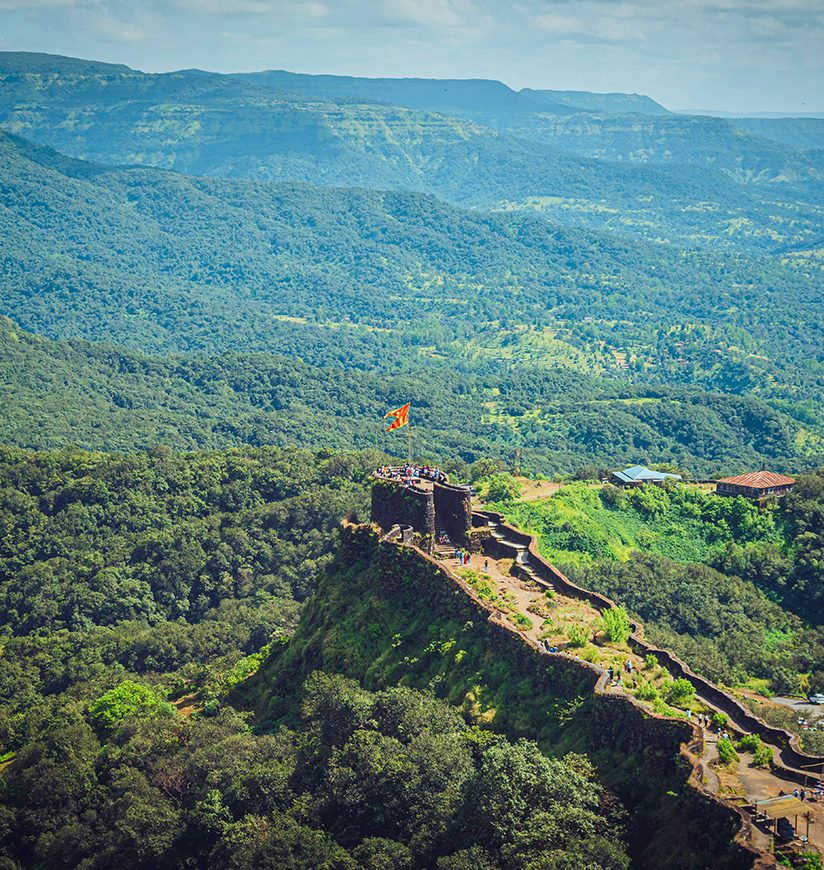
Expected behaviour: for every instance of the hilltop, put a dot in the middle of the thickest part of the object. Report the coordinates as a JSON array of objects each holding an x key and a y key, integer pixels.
[{"x": 620, "y": 104}]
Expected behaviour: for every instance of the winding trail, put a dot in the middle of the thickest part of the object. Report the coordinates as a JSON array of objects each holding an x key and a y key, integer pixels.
[{"x": 749, "y": 783}]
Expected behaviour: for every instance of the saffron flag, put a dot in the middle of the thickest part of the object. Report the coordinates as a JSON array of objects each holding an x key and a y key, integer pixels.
[{"x": 400, "y": 417}]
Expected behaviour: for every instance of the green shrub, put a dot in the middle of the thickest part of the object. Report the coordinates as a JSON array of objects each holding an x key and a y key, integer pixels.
[
  {"x": 616, "y": 625},
  {"x": 749, "y": 742},
  {"x": 647, "y": 692},
  {"x": 503, "y": 487},
  {"x": 612, "y": 496},
  {"x": 650, "y": 662},
  {"x": 726, "y": 751},
  {"x": 763, "y": 757},
  {"x": 523, "y": 622},
  {"x": 126, "y": 700},
  {"x": 576, "y": 635},
  {"x": 679, "y": 692},
  {"x": 590, "y": 653},
  {"x": 719, "y": 719}
]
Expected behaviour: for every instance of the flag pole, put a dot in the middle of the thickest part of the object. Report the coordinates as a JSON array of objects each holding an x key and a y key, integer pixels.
[{"x": 409, "y": 443}]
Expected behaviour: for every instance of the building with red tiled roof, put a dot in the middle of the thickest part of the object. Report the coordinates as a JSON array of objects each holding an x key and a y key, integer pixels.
[{"x": 757, "y": 485}]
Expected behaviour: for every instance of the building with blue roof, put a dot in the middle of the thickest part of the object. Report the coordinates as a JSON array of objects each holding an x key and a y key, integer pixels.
[{"x": 639, "y": 475}]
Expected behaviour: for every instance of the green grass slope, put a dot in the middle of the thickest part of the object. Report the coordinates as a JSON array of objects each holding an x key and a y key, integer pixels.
[
  {"x": 582, "y": 524},
  {"x": 730, "y": 587}
]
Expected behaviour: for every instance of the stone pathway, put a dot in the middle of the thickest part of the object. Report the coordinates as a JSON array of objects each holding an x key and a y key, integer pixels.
[
  {"x": 755, "y": 783},
  {"x": 525, "y": 594}
]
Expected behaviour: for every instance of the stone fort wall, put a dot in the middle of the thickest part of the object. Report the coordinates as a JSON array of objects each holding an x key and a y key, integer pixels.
[
  {"x": 443, "y": 507},
  {"x": 791, "y": 762},
  {"x": 664, "y": 751}
]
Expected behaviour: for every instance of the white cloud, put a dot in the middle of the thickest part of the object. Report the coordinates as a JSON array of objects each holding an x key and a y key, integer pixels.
[
  {"x": 558, "y": 22},
  {"x": 109, "y": 29},
  {"x": 429, "y": 13},
  {"x": 16, "y": 5}
]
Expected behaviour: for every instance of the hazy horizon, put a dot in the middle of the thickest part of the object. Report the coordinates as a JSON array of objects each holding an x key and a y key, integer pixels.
[{"x": 737, "y": 56}]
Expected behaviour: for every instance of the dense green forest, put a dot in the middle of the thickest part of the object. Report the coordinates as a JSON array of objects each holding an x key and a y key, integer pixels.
[
  {"x": 167, "y": 567},
  {"x": 126, "y": 581},
  {"x": 384, "y": 281},
  {"x": 63, "y": 394},
  {"x": 734, "y": 589},
  {"x": 394, "y": 779}
]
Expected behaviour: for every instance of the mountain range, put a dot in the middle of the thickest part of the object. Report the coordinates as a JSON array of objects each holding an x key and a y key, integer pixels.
[{"x": 701, "y": 181}]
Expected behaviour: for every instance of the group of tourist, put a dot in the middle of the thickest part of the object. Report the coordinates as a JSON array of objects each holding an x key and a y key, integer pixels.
[
  {"x": 801, "y": 793},
  {"x": 411, "y": 473},
  {"x": 463, "y": 557},
  {"x": 705, "y": 720},
  {"x": 615, "y": 676}
]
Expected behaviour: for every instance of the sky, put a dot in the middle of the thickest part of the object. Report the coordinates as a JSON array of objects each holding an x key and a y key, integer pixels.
[{"x": 734, "y": 55}]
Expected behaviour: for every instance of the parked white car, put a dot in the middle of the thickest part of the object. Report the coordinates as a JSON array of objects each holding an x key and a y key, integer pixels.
[{"x": 816, "y": 699}]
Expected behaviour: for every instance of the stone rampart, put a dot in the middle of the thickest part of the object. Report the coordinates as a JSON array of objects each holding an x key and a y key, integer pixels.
[
  {"x": 394, "y": 503},
  {"x": 453, "y": 511},
  {"x": 434, "y": 505},
  {"x": 665, "y": 750},
  {"x": 792, "y": 761}
]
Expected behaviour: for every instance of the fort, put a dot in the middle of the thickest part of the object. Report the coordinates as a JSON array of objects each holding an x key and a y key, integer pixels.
[
  {"x": 424, "y": 503},
  {"x": 430, "y": 518}
]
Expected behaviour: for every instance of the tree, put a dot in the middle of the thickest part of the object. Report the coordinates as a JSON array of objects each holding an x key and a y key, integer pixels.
[
  {"x": 503, "y": 487},
  {"x": 726, "y": 751},
  {"x": 590, "y": 471},
  {"x": 616, "y": 625},
  {"x": 127, "y": 700},
  {"x": 379, "y": 853},
  {"x": 611, "y": 495},
  {"x": 679, "y": 692},
  {"x": 484, "y": 468}
]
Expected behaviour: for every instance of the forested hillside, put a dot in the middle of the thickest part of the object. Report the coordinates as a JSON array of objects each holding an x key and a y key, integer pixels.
[
  {"x": 165, "y": 262},
  {"x": 126, "y": 581},
  {"x": 617, "y": 127},
  {"x": 207, "y": 124},
  {"x": 798, "y": 132},
  {"x": 167, "y": 567},
  {"x": 57, "y": 394}
]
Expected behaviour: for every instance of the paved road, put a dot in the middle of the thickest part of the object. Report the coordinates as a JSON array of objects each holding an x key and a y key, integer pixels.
[{"x": 803, "y": 708}]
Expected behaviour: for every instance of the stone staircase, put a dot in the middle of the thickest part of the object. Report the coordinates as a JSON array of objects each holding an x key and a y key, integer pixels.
[{"x": 499, "y": 534}]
